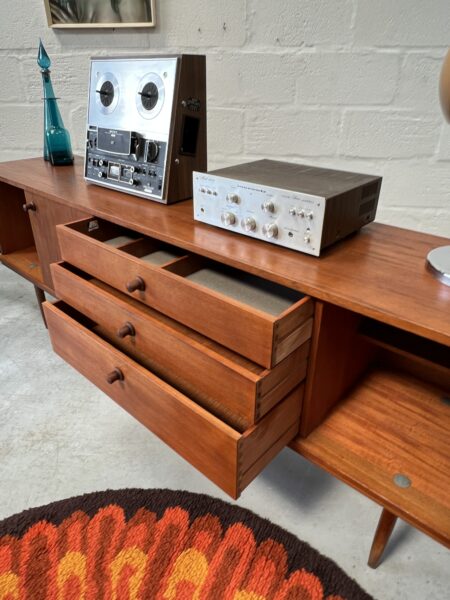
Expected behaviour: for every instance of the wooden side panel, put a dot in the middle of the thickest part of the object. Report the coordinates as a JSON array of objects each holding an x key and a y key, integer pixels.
[
  {"x": 204, "y": 441},
  {"x": 191, "y": 85},
  {"x": 295, "y": 339},
  {"x": 236, "y": 326},
  {"x": 15, "y": 228},
  {"x": 278, "y": 382},
  {"x": 338, "y": 358},
  {"x": 261, "y": 443},
  {"x": 44, "y": 219}
]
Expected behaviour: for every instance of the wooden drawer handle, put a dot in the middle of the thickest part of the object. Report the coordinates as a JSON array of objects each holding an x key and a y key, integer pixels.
[
  {"x": 29, "y": 206},
  {"x": 126, "y": 330},
  {"x": 115, "y": 375},
  {"x": 136, "y": 284}
]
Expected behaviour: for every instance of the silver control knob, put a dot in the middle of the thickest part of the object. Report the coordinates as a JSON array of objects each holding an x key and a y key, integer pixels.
[
  {"x": 234, "y": 198},
  {"x": 249, "y": 224},
  {"x": 310, "y": 215},
  {"x": 293, "y": 211},
  {"x": 100, "y": 163},
  {"x": 301, "y": 213},
  {"x": 270, "y": 230},
  {"x": 307, "y": 238},
  {"x": 268, "y": 206},
  {"x": 101, "y": 175},
  {"x": 228, "y": 218}
]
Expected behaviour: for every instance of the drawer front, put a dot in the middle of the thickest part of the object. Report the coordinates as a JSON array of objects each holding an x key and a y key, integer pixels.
[
  {"x": 233, "y": 388},
  {"x": 253, "y": 333},
  {"x": 224, "y": 455}
]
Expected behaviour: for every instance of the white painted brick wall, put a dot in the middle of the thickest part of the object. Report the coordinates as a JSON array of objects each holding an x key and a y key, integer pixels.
[{"x": 350, "y": 84}]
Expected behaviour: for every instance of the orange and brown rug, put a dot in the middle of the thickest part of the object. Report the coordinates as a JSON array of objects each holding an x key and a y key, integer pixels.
[{"x": 162, "y": 545}]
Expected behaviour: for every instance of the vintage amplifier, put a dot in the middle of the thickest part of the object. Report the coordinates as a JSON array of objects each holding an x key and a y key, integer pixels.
[
  {"x": 300, "y": 207},
  {"x": 146, "y": 129}
]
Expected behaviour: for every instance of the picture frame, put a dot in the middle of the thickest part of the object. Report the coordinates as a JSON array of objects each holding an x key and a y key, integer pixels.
[{"x": 71, "y": 14}]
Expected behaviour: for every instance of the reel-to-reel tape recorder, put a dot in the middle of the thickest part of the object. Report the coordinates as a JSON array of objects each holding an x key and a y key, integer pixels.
[{"x": 146, "y": 130}]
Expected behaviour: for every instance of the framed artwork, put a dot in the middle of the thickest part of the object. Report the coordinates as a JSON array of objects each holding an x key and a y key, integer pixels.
[{"x": 100, "y": 13}]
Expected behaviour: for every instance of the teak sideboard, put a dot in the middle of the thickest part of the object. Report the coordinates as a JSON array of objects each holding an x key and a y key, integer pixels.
[{"x": 229, "y": 349}]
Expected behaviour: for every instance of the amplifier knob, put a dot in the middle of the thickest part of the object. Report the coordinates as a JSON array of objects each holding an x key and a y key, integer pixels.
[
  {"x": 234, "y": 198},
  {"x": 268, "y": 206},
  {"x": 301, "y": 213},
  {"x": 310, "y": 215},
  {"x": 249, "y": 224},
  {"x": 101, "y": 175},
  {"x": 307, "y": 238},
  {"x": 293, "y": 211},
  {"x": 270, "y": 230},
  {"x": 228, "y": 218}
]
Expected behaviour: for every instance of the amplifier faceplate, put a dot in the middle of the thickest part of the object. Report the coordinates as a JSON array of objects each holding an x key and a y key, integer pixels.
[
  {"x": 300, "y": 207},
  {"x": 290, "y": 219}
]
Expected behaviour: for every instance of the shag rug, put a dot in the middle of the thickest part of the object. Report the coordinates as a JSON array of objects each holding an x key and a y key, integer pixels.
[{"x": 160, "y": 544}]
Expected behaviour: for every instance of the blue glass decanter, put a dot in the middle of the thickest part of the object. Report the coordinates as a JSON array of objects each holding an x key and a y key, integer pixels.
[{"x": 57, "y": 146}]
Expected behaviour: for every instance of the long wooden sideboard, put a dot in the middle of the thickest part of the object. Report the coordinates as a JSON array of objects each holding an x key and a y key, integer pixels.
[{"x": 229, "y": 349}]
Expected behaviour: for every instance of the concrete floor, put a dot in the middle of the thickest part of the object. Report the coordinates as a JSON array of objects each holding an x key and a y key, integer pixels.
[{"x": 60, "y": 437}]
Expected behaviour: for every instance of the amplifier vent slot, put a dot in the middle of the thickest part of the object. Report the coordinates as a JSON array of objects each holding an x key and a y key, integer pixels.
[
  {"x": 369, "y": 190},
  {"x": 367, "y": 207}
]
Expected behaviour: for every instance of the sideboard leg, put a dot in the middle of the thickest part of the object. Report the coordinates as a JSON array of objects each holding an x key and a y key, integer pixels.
[
  {"x": 381, "y": 538},
  {"x": 40, "y": 298}
]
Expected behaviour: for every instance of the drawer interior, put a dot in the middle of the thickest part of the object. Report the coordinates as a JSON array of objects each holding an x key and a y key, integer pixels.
[
  {"x": 262, "y": 320},
  {"x": 106, "y": 232},
  {"x": 255, "y": 292},
  {"x": 148, "y": 250}
]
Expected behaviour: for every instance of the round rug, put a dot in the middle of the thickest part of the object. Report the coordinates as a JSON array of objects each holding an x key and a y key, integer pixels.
[{"x": 162, "y": 545}]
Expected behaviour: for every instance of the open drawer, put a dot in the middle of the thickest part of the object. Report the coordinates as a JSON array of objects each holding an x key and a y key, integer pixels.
[
  {"x": 230, "y": 386},
  {"x": 229, "y": 458},
  {"x": 256, "y": 318}
]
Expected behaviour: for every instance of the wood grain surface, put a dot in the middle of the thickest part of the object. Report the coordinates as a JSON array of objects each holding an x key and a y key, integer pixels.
[
  {"x": 379, "y": 272},
  {"x": 233, "y": 388},
  {"x": 238, "y": 326},
  {"x": 44, "y": 218},
  {"x": 25, "y": 262},
  {"x": 209, "y": 444},
  {"x": 391, "y": 424}
]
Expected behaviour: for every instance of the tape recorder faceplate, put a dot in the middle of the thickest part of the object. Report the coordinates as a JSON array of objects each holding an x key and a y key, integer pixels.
[{"x": 146, "y": 130}]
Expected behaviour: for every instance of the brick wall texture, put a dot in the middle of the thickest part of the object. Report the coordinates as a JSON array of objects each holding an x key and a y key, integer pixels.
[{"x": 350, "y": 84}]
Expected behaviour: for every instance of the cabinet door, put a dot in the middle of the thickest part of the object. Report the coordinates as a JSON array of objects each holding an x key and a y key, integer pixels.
[{"x": 44, "y": 215}]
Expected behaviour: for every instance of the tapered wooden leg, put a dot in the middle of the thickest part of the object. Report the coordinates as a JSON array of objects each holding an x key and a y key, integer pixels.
[
  {"x": 383, "y": 533},
  {"x": 40, "y": 298}
]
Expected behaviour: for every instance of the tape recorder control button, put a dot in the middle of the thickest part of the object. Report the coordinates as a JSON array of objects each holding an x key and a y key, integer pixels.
[{"x": 152, "y": 151}]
